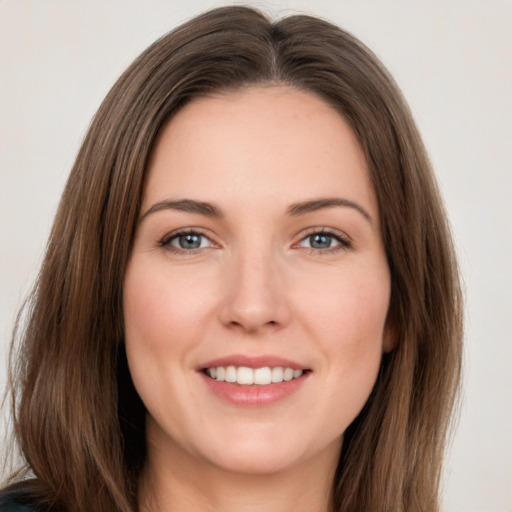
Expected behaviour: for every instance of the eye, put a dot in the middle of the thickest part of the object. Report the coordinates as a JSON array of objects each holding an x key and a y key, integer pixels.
[
  {"x": 324, "y": 241},
  {"x": 186, "y": 241}
]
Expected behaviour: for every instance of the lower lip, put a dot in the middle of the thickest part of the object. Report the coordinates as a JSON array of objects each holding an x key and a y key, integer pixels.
[{"x": 255, "y": 395}]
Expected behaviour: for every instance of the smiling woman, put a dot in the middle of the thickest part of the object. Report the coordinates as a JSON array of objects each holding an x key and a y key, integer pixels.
[
  {"x": 281, "y": 281},
  {"x": 250, "y": 297}
]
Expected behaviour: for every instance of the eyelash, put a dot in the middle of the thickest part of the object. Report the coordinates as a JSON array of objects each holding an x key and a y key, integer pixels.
[
  {"x": 165, "y": 242},
  {"x": 343, "y": 241}
]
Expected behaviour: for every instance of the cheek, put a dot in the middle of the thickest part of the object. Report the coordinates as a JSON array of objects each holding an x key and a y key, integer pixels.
[
  {"x": 163, "y": 318},
  {"x": 347, "y": 318},
  {"x": 162, "y": 308},
  {"x": 348, "y": 308},
  {"x": 343, "y": 313}
]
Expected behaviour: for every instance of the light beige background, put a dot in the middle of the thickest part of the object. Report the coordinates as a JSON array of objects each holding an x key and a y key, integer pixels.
[{"x": 452, "y": 59}]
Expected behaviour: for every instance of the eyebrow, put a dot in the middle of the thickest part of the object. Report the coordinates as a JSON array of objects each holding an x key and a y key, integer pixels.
[
  {"x": 296, "y": 209},
  {"x": 185, "y": 205},
  {"x": 318, "y": 204}
]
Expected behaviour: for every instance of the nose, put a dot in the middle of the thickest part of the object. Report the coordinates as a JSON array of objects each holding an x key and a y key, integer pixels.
[{"x": 255, "y": 295}]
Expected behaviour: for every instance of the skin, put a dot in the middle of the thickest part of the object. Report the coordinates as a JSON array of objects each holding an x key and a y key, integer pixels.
[{"x": 256, "y": 285}]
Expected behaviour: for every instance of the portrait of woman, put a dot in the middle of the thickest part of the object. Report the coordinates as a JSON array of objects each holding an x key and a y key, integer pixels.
[{"x": 250, "y": 298}]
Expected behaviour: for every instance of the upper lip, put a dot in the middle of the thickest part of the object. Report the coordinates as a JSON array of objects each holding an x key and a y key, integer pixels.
[{"x": 253, "y": 362}]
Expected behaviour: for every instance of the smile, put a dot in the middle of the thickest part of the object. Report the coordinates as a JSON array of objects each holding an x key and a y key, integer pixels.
[{"x": 248, "y": 376}]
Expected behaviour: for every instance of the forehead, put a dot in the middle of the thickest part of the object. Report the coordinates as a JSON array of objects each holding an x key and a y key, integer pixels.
[{"x": 258, "y": 143}]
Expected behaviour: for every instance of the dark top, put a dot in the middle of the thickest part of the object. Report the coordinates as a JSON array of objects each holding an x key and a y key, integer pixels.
[{"x": 11, "y": 501}]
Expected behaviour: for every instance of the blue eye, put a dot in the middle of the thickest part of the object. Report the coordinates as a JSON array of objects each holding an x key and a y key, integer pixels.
[
  {"x": 186, "y": 241},
  {"x": 323, "y": 241},
  {"x": 320, "y": 241}
]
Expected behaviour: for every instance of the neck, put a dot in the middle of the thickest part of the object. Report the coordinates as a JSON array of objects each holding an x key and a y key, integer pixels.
[{"x": 183, "y": 483}]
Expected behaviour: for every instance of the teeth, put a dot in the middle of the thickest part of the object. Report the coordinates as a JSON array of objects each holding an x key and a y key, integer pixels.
[
  {"x": 221, "y": 373},
  {"x": 277, "y": 374},
  {"x": 288, "y": 374},
  {"x": 247, "y": 376},
  {"x": 230, "y": 374},
  {"x": 263, "y": 376}
]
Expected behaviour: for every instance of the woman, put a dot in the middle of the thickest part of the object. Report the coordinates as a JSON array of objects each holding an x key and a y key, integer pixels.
[{"x": 250, "y": 296}]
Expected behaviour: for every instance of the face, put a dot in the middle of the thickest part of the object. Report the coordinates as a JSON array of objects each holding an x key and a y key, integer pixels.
[{"x": 256, "y": 296}]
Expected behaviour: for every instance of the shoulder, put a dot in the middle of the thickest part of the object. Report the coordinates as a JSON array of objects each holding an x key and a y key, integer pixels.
[
  {"x": 13, "y": 501},
  {"x": 29, "y": 495}
]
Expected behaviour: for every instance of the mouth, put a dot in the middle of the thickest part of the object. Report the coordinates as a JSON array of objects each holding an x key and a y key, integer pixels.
[
  {"x": 254, "y": 380},
  {"x": 245, "y": 376}
]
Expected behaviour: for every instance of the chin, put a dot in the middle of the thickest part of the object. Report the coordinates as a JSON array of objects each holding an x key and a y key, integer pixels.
[
  {"x": 257, "y": 462},
  {"x": 271, "y": 455}
]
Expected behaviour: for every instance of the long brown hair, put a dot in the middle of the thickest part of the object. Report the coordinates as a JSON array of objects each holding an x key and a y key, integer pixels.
[{"x": 77, "y": 419}]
